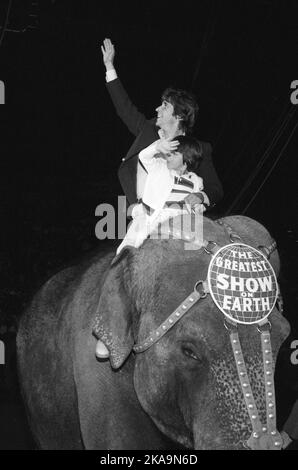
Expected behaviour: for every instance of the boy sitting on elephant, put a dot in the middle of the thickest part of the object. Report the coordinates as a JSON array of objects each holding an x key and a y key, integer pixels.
[{"x": 169, "y": 165}]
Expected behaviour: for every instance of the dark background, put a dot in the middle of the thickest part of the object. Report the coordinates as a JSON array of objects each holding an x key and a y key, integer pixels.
[{"x": 61, "y": 142}]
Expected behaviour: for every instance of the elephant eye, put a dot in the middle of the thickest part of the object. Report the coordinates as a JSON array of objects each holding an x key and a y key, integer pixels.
[{"x": 190, "y": 353}]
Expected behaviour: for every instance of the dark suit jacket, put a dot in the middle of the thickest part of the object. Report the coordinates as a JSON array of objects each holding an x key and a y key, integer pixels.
[{"x": 146, "y": 132}]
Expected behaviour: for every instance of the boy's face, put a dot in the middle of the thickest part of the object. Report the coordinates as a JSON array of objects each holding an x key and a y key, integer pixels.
[{"x": 175, "y": 162}]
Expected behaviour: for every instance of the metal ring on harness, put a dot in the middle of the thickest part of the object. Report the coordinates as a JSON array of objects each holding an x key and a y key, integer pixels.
[
  {"x": 230, "y": 326},
  {"x": 267, "y": 327},
  {"x": 234, "y": 237},
  {"x": 210, "y": 242},
  {"x": 202, "y": 293}
]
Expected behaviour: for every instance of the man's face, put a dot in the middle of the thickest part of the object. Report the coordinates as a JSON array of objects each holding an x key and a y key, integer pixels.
[
  {"x": 175, "y": 162},
  {"x": 165, "y": 115}
]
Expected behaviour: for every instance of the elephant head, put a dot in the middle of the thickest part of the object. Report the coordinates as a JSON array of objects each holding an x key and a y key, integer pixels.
[{"x": 187, "y": 382}]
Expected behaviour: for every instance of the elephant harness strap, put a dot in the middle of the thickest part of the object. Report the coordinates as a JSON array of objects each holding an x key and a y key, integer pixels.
[{"x": 263, "y": 436}]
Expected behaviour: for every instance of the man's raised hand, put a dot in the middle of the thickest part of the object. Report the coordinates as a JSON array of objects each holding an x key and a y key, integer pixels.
[{"x": 108, "y": 53}]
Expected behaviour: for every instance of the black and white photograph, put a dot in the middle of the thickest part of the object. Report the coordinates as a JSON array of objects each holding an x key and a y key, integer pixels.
[{"x": 149, "y": 229}]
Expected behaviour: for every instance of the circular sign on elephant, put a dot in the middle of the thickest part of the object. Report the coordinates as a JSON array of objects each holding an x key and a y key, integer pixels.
[{"x": 242, "y": 283}]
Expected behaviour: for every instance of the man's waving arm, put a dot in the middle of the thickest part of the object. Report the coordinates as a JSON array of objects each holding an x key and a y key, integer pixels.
[{"x": 125, "y": 109}]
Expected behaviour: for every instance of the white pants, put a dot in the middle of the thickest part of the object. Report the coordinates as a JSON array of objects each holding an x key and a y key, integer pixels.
[{"x": 144, "y": 224}]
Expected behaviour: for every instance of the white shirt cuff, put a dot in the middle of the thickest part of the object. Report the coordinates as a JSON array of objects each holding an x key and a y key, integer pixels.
[{"x": 111, "y": 75}]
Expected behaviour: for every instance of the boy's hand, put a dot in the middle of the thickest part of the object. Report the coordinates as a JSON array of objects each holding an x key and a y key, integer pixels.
[
  {"x": 195, "y": 198},
  {"x": 194, "y": 203},
  {"x": 108, "y": 53},
  {"x": 166, "y": 145}
]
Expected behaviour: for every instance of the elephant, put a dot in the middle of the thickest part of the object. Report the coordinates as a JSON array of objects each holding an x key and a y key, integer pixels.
[{"x": 182, "y": 393}]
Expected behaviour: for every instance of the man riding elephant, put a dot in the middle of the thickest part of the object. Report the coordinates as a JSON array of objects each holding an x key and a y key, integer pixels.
[{"x": 175, "y": 116}]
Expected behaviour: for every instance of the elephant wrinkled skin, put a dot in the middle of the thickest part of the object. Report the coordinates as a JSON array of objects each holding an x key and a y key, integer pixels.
[{"x": 183, "y": 391}]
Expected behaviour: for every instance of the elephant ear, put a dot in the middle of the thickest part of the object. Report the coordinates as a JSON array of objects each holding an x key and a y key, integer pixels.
[{"x": 114, "y": 314}]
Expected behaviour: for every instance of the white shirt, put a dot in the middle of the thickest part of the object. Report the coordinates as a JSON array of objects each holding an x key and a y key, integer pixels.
[
  {"x": 141, "y": 173},
  {"x": 162, "y": 184}
]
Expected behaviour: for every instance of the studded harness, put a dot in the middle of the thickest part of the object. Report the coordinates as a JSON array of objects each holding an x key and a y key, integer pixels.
[{"x": 264, "y": 436}]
